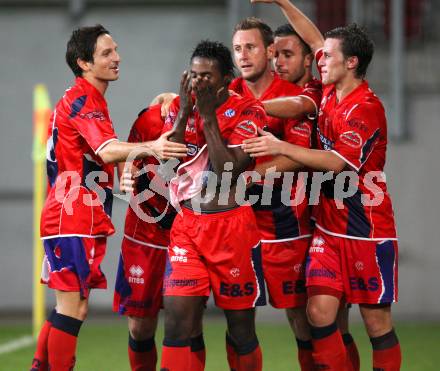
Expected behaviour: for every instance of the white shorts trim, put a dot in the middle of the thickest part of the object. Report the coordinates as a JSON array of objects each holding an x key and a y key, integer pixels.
[
  {"x": 288, "y": 239},
  {"x": 383, "y": 239},
  {"x": 145, "y": 243}
]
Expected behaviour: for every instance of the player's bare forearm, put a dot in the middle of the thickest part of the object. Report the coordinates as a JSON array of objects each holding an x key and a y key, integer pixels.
[
  {"x": 313, "y": 158},
  {"x": 279, "y": 164},
  {"x": 289, "y": 107},
  {"x": 162, "y": 148},
  {"x": 302, "y": 24},
  {"x": 220, "y": 154}
]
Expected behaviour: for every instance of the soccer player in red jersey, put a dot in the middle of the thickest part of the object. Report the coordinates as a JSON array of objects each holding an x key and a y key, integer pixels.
[
  {"x": 214, "y": 242},
  {"x": 75, "y": 221},
  {"x": 139, "y": 281},
  {"x": 285, "y": 229},
  {"x": 354, "y": 248}
]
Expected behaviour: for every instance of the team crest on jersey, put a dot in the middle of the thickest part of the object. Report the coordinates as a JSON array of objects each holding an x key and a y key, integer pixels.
[
  {"x": 192, "y": 149},
  {"x": 359, "y": 265},
  {"x": 351, "y": 138},
  {"x": 235, "y": 272},
  {"x": 230, "y": 113},
  {"x": 302, "y": 129},
  {"x": 247, "y": 128}
]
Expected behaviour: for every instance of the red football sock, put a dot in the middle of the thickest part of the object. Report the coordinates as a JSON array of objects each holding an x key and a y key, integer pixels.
[
  {"x": 353, "y": 361},
  {"x": 328, "y": 348},
  {"x": 142, "y": 354},
  {"x": 62, "y": 342},
  {"x": 176, "y": 355},
  {"x": 305, "y": 358},
  {"x": 40, "y": 361},
  {"x": 231, "y": 353},
  {"x": 249, "y": 357},
  {"x": 386, "y": 352},
  {"x": 198, "y": 353}
]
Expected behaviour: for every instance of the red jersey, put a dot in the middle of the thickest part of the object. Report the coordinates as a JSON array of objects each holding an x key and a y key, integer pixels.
[
  {"x": 148, "y": 222},
  {"x": 238, "y": 119},
  {"x": 355, "y": 129},
  {"x": 80, "y": 184},
  {"x": 278, "y": 221}
]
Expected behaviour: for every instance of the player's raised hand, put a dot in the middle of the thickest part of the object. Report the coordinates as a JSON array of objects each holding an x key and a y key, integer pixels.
[
  {"x": 265, "y": 145},
  {"x": 164, "y": 149},
  {"x": 206, "y": 99},
  {"x": 186, "y": 102}
]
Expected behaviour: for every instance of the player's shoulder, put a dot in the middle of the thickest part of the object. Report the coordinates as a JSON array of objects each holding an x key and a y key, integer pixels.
[
  {"x": 237, "y": 85},
  {"x": 243, "y": 103},
  {"x": 313, "y": 84},
  {"x": 149, "y": 121}
]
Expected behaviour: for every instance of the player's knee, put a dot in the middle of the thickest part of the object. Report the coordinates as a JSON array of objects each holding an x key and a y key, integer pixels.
[
  {"x": 318, "y": 315},
  {"x": 241, "y": 327},
  {"x": 377, "y": 322},
  {"x": 176, "y": 327},
  {"x": 141, "y": 330}
]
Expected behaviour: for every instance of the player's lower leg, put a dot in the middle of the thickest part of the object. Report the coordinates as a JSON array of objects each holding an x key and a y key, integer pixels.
[
  {"x": 241, "y": 328},
  {"x": 328, "y": 347},
  {"x": 40, "y": 360},
  {"x": 386, "y": 348},
  {"x": 353, "y": 361},
  {"x": 142, "y": 352},
  {"x": 181, "y": 315},
  {"x": 62, "y": 340},
  {"x": 298, "y": 322}
]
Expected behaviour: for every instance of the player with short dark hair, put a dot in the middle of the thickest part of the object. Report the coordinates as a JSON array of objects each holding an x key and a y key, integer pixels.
[
  {"x": 354, "y": 248},
  {"x": 75, "y": 221},
  {"x": 285, "y": 230},
  {"x": 213, "y": 238}
]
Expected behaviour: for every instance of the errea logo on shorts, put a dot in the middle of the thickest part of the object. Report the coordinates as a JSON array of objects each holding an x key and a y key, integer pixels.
[
  {"x": 179, "y": 255},
  {"x": 136, "y": 273},
  {"x": 317, "y": 244}
]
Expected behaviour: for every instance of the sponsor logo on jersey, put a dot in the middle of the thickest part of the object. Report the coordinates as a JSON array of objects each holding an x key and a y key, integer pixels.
[
  {"x": 230, "y": 113},
  {"x": 136, "y": 273},
  {"x": 236, "y": 290},
  {"x": 97, "y": 115},
  {"x": 170, "y": 283},
  {"x": 351, "y": 138},
  {"x": 361, "y": 284},
  {"x": 321, "y": 272},
  {"x": 235, "y": 272},
  {"x": 247, "y": 128},
  {"x": 317, "y": 245},
  {"x": 294, "y": 287},
  {"x": 302, "y": 129},
  {"x": 179, "y": 255}
]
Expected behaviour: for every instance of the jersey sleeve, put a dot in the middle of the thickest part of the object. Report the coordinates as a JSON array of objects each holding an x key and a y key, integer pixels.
[
  {"x": 91, "y": 122},
  {"x": 358, "y": 134},
  {"x": 313, "y": 92},
  {"x": 172, "y": 115},
  {"x": 299, "y": 132},
  {"x": 247, "y": 126}
]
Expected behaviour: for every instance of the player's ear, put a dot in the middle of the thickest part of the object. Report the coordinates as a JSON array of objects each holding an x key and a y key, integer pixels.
[
  {"x": 271, "y": 51},
  {"x": 85, "y": 66},
  {"x": 352, "y": 62},
  {"x": 308, "y": 60}
]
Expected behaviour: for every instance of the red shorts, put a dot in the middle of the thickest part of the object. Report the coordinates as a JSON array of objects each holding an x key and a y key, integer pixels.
[
  {"x": 218, "y": 251},
  {"x": 284, "y": 272},
  {"x": 363, "y": 271},
  {"x": 73, "y": 264},
  {"x": 139, "y": 281}
]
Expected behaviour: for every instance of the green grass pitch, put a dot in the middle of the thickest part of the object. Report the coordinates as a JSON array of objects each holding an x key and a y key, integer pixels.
[{"x": 102, "y": 346}]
